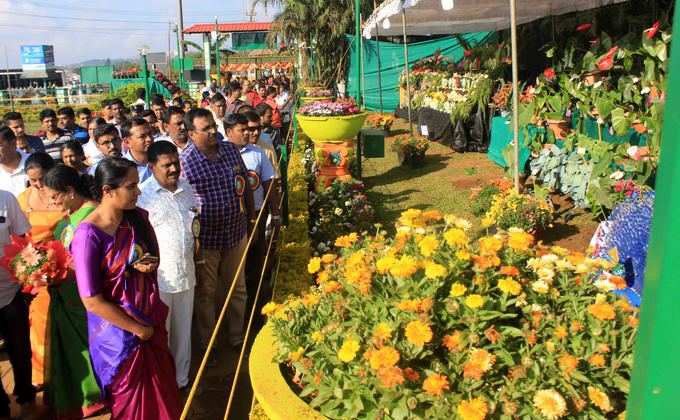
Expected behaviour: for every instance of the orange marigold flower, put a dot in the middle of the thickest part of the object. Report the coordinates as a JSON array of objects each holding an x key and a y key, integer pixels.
[
  {"x": 509, "y": 270},
  {"x": 473, "y": 409},
  {"x": 382, "y": 332},
  {"x": 331, "y": 286},
  {"x": 432, "y": 215},
  {"x": 490, "y": 245},
  {"x": 568, "y": 363},
  {"x": 492, "y": 335},
  {"x": 603, "y": 348},
  {"x": 384, "y": 357},
  {"x": 418, "y": 333},
  {"x": 619, "y": 283},
  {"x": 390, "y": 376},
  {"x": 624, "y": 305},
  {"x": 479, "y": 362},
  {"x": 576, "y": 327},
  {"x": 346, "y": 241},
  {"x": 520, "y": 240},
  {"x": 408, "y": 305},
  {"x": 485, "y": 262},
  {"x": 602, "y": 311},
  {"x": 453, "y": 342},
  {"x": 411, "y": 374},
  {"x": 597, "y": 360},
  {"x": 532, "y": 338},
  {"x": 436, "y": 384},
  {"x": 633, "y": 321}
]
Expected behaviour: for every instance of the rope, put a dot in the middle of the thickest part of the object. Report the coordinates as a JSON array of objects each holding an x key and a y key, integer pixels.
[{"x": 218, "y": 323}]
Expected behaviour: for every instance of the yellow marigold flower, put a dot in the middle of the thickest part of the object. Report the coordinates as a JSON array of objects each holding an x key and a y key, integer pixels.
[
  {"x": 331, "y": 286},
  {"x": 384, "y": 357},
  {"x": 453, "y": 342},
  {"x": 408, "y": 305},
  {"x": 390, "y": 376},
  {"x": 434, "y": 270},
  {"x": 520, "y": 240},
  {"x": 328, "y": 258},
  {"x": 479, "y": 362},
  {"x": 540, "y": 286},
  {"x": 473, "y": 409},
  {"x": 597, "y": 360},
  {"x": 550, "y": 404},
  {"x": 296, "y": 355},
  {"x": 405, "y": 268},
  {"x": 270, "y": 308},
  {"x": 602, "y": 311},
  {"x": 346, "y": 241},
  {"x": 428, "y": 245},
  {"x": 384, "y": 264},
  {"x": 488, "y": 221},
  {"x": 456, "y": 237},
  {"x": 561, "y": 332},
  {"x": 474, "y": 301},
  {"x": 435, "y": 384},
  {"x": 463, "y": 255},
  {"x": 310, "y": 299},
  {"x": 490, "y": 245},
  {"x": 322, "y": 277},
  {"x": 317, "y": 337},
  {"x": 418, "y": 333},
  {"x": 568, "y": 363},
  {"x": 457, "y": 289},
  {"x": 382, "y": 332},
  {"x": 348, "y": 350},
  {"x": 509, "y": 286},
  {"x": 599, "y": 399},
  {"x": 314, "y": 265}
]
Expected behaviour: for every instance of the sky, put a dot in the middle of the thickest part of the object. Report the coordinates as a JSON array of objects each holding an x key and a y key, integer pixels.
[{"x": 83, "y": 30}]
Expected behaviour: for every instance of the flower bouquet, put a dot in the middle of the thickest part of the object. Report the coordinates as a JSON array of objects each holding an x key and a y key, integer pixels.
[
  {"x": 430, "y": 323},
  {"x": 411, "y": 149},
  {"x": 35, "y": 265},
  {"x": 511, "y": 209},
  {"x": 329, "y": 109}
]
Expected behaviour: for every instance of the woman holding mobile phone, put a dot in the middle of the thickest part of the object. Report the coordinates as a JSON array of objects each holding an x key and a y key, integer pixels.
[{"x": 113, "y": 252}]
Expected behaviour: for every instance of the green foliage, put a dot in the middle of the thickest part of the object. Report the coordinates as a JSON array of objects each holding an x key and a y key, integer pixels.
[{"x": 481, "y": 202}]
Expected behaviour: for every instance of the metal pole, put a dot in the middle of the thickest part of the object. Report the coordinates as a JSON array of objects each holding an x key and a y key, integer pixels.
[
  {"x": 515, "y": 90},
  {"x": 180, "y": 42},
  {"x": 145, "y": 75},
  {"x": 406, "y": 65},
  {"x": 168, "y": 62},
  {"x": 656, "y": 365},
  {"x": 377, "y": 43},
  {"x": 9, "y": 80},
  {"x": 217, "y": 55},
  {"x": 357, "y": 50}
]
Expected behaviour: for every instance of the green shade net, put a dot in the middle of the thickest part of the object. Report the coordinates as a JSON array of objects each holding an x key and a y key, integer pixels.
[{"x": 392, "y": 65}]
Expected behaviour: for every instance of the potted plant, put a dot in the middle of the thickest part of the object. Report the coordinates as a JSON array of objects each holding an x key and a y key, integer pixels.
[
  {"x": 331, "y": 121},
  {"x": 420, "y": 324},
  {"x": 511, "y": 209},
  {"x": 557, "y": 105},
  {"x": 411, "y": 150}
]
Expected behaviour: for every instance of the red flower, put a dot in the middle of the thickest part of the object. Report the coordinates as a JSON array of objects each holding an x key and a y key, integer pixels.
[
  {"x": 549, "y": 73},
  {"x": 618, "y": 187},
  {"x": 651, "y": 32},
  {"x": 606, "y": 62},
  {"x": 467, "y": 53},
  {"x": 584, "y": 27}
]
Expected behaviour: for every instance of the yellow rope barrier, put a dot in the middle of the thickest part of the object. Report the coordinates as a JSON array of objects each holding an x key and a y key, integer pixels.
[{"x": 218, "y": 323}]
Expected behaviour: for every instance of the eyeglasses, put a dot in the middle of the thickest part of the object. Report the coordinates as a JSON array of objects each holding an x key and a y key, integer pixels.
[{"x": 253, "y": 129}]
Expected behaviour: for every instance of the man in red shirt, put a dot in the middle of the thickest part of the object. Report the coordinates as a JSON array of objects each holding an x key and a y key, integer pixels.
[
  {"x": 272, "y": 91},
  {"x": 256, "y": 97}
]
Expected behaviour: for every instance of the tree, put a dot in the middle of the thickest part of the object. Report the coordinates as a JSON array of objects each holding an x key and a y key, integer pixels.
[
  {"x": 198, "y": 47},
  {"x": 316, "y": 29}
]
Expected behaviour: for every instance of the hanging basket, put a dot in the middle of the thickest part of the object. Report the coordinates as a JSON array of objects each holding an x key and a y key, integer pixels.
[
  {"x": 332, "y": 129},
  {"x": 276, "y": 398}
]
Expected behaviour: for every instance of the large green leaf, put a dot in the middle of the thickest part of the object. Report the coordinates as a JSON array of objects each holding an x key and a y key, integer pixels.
[
  {"x": 620, "y": 122},
  {"x": 661, "y": 51}
]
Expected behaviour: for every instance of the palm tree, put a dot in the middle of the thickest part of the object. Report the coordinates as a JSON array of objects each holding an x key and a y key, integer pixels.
[
  {"x": 317, "y": 28},
  {"x": 213, "y": 45}
]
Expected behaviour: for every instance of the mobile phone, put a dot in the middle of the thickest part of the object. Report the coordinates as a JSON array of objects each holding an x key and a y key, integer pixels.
[{"x": 147, "y": 259}]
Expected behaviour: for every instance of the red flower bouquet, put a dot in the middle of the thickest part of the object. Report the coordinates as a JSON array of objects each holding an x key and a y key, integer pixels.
[{"x": 35, "y": 265}]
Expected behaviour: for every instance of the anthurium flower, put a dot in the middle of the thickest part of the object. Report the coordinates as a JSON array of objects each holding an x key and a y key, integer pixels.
[
  {"x": 606, "y": 62},
  {"x": 584, "y": 27},
  {"x": 549, "y": 73},
  {"x": 651, "y": 32}
]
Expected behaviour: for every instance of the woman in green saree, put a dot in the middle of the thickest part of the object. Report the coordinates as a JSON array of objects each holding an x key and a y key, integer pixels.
[{"x": 71, "y": 387}]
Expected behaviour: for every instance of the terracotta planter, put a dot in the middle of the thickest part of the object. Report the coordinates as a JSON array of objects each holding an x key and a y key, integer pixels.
[
  {"x": 276, "y": 398},
  {"x": 333, "y": 160},
  {"x": 560, "y": 128}
]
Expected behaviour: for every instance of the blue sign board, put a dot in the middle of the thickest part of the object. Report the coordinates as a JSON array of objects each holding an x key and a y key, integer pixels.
[{"x": 37, "y": 57}]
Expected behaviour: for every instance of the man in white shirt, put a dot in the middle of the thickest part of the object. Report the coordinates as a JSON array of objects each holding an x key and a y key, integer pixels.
[
  {"x": 12, "y": 175},
  {"x": 174, "y": 128},
  {"x": 173, "y": 213},
  {"x": 218, "y": 107},
  {"x": 14, "y": 324},
  {"x": 136, "y": 134}
]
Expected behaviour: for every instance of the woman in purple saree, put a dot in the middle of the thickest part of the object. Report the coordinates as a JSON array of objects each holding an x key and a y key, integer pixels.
[{"x": 113, "y": 251}]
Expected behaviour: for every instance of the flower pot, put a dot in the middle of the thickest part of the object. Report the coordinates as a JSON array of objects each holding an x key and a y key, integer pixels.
[
  {"x": 307, "y": 99},
  {"x": 414, "y": 160},
  {"x": 332, "y": 129},
  {"x": 270, "y": 388},
  {"x": 560, "y": 128}
]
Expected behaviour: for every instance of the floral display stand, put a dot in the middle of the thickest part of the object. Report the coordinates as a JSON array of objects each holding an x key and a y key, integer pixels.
[
  {"x": 309, "y": 99},
  {"x": 276, "y": 398},
  {"x": 333, "y": 161}
]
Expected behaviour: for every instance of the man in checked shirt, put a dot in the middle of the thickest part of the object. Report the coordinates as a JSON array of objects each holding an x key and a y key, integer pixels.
[{"x": 219, "y": 177}]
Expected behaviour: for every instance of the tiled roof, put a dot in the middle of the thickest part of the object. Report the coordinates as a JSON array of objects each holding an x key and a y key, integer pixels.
[{"x": 202, "y": 28}]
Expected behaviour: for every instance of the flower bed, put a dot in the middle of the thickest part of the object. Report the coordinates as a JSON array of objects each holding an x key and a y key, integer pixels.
[
  {"x": 329, "y": 109},
  {"x": 429, "y": 323}
]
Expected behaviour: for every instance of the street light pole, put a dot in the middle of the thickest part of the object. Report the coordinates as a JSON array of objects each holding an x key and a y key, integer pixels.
[
  {"x": 357, "y": 50},
  {"x": 217, "y": 54},
  {"x": 145, "y": 75},
  {"x": 180, "y": 42}
]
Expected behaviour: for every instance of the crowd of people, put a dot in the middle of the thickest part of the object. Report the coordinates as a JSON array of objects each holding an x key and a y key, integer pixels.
[{"x": 155, "y": 205}]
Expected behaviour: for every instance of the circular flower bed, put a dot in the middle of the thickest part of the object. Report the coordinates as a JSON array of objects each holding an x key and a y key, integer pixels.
[{"x": 429, "y": 323}]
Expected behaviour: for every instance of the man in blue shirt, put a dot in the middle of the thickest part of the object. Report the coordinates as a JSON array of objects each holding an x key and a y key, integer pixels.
[
  {"x": 136, "y": 134},
  {"x": 25, "y": 142},
  {"x": 66, "y": 120},
  {"x": 260, "y": 175}
]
